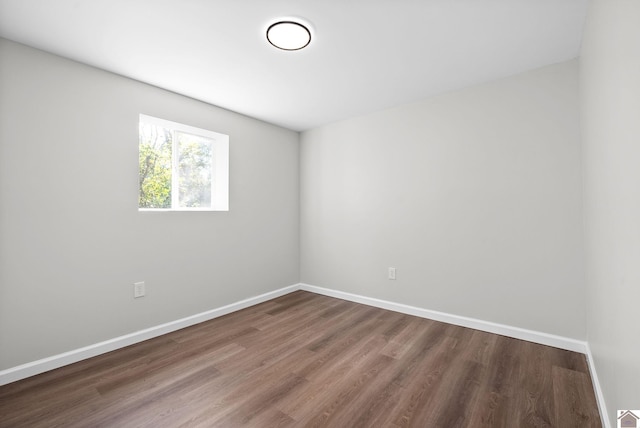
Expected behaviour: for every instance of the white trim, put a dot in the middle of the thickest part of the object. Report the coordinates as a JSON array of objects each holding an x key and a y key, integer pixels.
[
  {"x": 602, "y": 407},
  {"x": 491, "y": 327},
  {"x": 176, "y": 126},
  {"x": 40, "y": 366}
]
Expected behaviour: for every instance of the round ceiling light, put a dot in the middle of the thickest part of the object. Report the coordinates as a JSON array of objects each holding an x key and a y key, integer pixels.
[{"x": 288, "y": 35}]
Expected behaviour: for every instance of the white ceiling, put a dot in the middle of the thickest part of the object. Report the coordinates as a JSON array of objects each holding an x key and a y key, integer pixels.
[{"x": 365, "y": 55}]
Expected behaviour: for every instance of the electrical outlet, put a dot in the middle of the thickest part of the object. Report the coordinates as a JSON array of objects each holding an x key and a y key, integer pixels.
[
  {"x": 138, "y": 289},
  {"x": 392, "y": 273}
]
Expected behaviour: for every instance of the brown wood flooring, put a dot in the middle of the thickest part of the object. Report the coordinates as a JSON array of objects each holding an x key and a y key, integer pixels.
[{"x": 310, "y": 360}]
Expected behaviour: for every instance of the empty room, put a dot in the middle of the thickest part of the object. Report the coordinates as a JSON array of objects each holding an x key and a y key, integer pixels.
[{"x": 413, "y": 213}]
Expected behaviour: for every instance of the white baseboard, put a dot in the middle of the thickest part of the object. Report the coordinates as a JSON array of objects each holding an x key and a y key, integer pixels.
[
  {"x": 40, "y": 366},
  {"x": 597, "y": 389},
  {"x": 504, "y": 330}
]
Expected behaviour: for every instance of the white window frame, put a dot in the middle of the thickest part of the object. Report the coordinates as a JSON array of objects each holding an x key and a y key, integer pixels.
[{"x": 220, "y": 176}]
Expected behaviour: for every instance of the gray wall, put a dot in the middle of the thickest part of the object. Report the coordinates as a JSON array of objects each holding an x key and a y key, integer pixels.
[
  {"x": 474, "y": 196},
  {"x": 610, "y": 86},
  {"x": 72, "y": 240}
]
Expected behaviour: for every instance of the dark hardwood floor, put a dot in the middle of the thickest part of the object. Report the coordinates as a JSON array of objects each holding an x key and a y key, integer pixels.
[{"x": 310, "y": 360}]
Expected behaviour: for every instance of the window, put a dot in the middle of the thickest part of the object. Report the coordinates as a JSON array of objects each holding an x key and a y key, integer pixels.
[{"x": 182, "y": 168}]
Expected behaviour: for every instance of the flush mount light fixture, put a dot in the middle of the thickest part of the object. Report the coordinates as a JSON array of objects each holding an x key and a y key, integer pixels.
[{"x": 288, "y": 35}]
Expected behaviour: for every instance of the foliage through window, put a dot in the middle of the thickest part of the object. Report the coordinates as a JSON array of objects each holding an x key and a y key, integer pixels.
[{"x": 182, "y": 167}]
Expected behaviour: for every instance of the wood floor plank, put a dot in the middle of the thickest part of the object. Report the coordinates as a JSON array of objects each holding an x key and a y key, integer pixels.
[
  {"x": 575, "y": 400},
  {"x": 535, "y": 383},
  {"x": 305, "y": 360},
  {"x": 421, "y": 378},
  {"x": 337, "y": 374},
  {"x": 459, "y": 390},
  {"x": 330, "y": 409},
  {"x": 400, "y": 342},
  {"x": 495, "y": 408}
]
